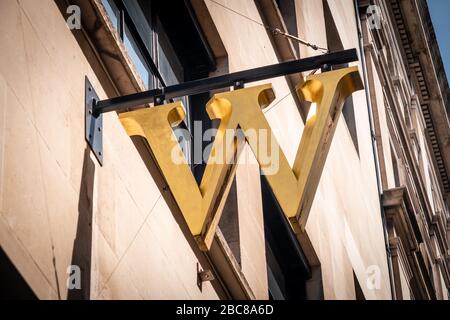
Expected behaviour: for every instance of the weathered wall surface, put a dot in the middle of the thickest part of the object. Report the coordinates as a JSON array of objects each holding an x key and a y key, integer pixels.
[{"x": 57, "y": 205}]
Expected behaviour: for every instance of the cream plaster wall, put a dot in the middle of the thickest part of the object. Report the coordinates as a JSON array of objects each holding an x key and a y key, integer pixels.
[{"x": 251, "y": 224}]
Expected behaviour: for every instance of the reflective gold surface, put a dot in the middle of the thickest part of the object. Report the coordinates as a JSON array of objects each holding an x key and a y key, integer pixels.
[{"x": 294, "y": 188}]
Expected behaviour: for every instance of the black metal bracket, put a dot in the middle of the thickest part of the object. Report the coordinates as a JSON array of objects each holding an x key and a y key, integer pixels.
[
  {"x": 237, "y": 80},
  {"x": 93, "y": 123},
  {"x": 326, "y": 67},
  {"x": 203, "y": 276}
]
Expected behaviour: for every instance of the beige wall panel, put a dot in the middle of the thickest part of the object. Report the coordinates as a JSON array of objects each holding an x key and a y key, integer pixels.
[
  {"x": 343, "y": 12},
  {"x": 251, "y": 224},
  {"x": 344, "y": 16},
  {"x": 15, "y": 59},
  {"x": 25, "y": 207},
  {"x": 324, "y": 229},
  {"x": 3, "y": 109},
  {"x": 342, "y": 216},
  {"x": 311, "y": 25},
  {"x": 21, "y": 257},
  {"x": 119, "y": 286},
  {"x": 179, "y": 261}
]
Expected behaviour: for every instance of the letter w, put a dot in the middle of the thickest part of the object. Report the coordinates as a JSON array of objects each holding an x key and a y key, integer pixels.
[{"x": 294, "y": 188}]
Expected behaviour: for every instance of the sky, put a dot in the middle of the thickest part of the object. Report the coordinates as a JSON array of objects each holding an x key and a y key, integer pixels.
[{"x": 440, "y": 15}]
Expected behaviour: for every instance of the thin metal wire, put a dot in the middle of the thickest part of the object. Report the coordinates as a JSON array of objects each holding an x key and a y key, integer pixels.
[
  {"x": 301, "y": 41},
  {"x": 271, "y": 107},
  {"x": 274, "y": 31},
  {"x": 241, "y": 14}
]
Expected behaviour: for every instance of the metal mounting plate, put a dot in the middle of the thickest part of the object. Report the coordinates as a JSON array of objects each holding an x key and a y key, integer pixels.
[{"x": 93, "y": 125}]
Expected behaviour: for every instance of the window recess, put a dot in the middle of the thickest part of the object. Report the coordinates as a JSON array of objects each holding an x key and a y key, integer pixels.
[
  {"x": 334, "y": 44},
  {"x": 165, "y": 53}
]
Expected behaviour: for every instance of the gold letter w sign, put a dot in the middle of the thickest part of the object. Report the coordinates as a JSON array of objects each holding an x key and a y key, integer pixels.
[{"x": 294, "y": 188}]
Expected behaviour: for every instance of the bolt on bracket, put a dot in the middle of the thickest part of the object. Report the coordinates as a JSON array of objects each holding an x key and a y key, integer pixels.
[{"x": 203, "y": 276}]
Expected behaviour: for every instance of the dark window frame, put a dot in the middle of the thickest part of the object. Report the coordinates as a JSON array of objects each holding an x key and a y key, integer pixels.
[{"x": 125, "y": 20}]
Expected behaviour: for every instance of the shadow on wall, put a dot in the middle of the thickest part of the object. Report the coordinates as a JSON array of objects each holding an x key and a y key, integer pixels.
[
  {"x": 82, "y": 246},
  {"x": 12, "y": 285}
]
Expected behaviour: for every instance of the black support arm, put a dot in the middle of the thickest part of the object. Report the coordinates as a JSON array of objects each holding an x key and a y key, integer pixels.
[
  {"x": 94, "y": 107},
  {"x": 207, "y": 84}
]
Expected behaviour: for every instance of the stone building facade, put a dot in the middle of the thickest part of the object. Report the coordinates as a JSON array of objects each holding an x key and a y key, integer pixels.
[{"x": 379, "y": 225}]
